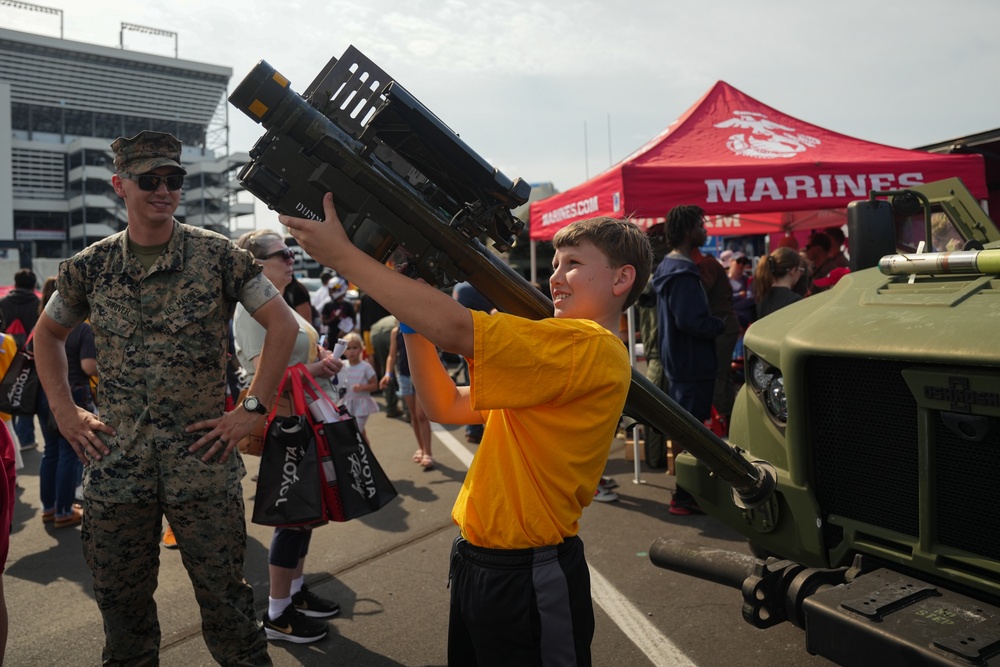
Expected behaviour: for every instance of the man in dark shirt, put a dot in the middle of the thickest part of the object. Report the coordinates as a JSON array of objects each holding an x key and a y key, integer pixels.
[
  {"x": 19, "y": 309},
  {"x": 338, "y": 314},
  {"x": 837, "y": 240},
  {"x": 687, "y": 327},
  {"x": 820, "y": 257},
  {"x": 720, "y": 303}
]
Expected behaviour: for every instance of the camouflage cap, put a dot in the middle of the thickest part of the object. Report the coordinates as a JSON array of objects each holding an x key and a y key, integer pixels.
[{"x": 145, "y": 152}]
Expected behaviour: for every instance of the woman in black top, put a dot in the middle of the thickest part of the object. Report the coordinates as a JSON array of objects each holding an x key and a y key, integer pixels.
[{"x": 776, "y": 275}]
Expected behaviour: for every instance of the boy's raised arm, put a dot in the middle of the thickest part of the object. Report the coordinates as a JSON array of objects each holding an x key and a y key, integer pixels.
[
  {"x": 438, "y": 317},
  {"x": 441, "y": 399}
]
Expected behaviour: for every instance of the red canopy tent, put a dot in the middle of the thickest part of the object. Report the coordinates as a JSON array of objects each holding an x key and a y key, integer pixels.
[{"x": 752, "y": 167}]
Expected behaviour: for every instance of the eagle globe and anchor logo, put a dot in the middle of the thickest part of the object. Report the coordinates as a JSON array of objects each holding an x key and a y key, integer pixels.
[{"x": 766, "y": 139}]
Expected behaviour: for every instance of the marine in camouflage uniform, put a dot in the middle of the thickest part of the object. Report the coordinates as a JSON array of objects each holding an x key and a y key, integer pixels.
[{"x": 161, "y": 333}]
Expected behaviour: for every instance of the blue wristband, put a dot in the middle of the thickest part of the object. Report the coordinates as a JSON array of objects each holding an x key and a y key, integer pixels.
[{"x": 403, "y": 328}]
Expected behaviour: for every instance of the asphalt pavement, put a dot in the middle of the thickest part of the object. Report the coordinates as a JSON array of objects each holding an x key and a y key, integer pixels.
[{"x": 388, "y": 572}]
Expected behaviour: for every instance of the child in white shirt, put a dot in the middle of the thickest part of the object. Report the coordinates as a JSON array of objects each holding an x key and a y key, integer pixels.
[{"x": 358, "y": 378}]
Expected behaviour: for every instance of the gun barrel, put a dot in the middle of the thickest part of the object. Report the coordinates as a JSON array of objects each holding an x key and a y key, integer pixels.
[
  {"x": 753, "y": 482},
  {"x": 722, "y": 567}
]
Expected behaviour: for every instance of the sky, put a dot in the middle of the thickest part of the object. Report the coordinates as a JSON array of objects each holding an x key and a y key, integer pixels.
[{"x": 559, "y": 90}]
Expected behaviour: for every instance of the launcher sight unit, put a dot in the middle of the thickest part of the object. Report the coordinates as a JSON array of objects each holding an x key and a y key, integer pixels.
[
  {"x": 358, "y": 133},
  {"x": 403, "y": 181}
]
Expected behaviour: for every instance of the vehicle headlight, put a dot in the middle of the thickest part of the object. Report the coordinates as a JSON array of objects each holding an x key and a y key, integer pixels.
[
  {"x": 775, "y": 398},
  {"x": 761, "y": 374},
  {"x": 769, "y": 385}
]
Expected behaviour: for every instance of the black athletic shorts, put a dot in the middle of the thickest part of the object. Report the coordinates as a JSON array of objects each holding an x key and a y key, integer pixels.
[{"x": 520, "y": 607}]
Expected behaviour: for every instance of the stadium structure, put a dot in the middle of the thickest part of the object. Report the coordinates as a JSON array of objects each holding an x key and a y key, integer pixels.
[{"x": 62, "y": 103}]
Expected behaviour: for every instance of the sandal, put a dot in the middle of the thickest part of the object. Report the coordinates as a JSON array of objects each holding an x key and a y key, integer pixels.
[
  {"x": 418, "y": 456},
  {"x": 426, "y": 462}
]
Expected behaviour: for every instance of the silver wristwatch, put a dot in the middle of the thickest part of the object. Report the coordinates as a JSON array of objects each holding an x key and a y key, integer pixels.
[{"x": 253, "y": 404}]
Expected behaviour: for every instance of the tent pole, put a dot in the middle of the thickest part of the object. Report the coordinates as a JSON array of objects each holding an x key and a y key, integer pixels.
[
  {"x": 630, "y": 316},
  {"x": 534, "y": 261}
]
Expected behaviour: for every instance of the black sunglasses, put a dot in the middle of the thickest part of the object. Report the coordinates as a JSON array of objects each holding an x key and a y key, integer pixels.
[
  {"x": 284, "y": 253},
  {"x": 151, "y": 182}
]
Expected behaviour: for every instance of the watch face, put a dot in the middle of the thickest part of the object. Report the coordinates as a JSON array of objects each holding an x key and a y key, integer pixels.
[{"x": 252, "y": 404}]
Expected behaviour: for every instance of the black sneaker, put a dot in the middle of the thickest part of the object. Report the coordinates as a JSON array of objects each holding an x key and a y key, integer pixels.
[
  {"x": 308, "y": 603},
  {"x": 292, "y": 626}
]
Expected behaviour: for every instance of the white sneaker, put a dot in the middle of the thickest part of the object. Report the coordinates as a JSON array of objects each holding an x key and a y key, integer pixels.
[{"x": 603, "y": 495}]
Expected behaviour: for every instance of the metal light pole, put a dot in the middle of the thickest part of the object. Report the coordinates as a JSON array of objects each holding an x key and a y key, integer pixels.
[
  {"x": 35, "y": 8},
  {"x": 147, "y": 31}
]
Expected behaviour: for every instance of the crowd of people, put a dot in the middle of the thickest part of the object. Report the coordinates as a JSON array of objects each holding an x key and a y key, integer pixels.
[
  {"x": 697, "y": 307},
  {"x": 156, "y": 312}
]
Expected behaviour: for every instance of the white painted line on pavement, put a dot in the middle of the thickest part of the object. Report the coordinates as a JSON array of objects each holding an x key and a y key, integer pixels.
[
  {"x": 661, "y": 651},
  {"x": 452, "y": 443}
]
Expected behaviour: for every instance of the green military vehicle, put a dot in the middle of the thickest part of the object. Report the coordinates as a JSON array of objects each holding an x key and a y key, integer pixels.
[{"x": 875, "y": 406}]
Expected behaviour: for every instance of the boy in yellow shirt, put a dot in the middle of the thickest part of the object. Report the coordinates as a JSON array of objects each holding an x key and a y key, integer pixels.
[{"x": 550, "y": 393}]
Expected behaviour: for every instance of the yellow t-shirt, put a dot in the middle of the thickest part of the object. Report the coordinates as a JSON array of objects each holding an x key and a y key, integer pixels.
[{"x": 551, "y": 392}]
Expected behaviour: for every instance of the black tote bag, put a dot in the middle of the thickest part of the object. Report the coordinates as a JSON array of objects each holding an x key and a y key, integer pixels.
[
  {"x": 289, "y": 490},
  {"x": 355, "y": 484}
]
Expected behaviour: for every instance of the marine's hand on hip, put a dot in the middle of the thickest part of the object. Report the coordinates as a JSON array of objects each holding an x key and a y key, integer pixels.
[
  {"x": 223, "y": 433},
  {"x": 82, "y": 431}
]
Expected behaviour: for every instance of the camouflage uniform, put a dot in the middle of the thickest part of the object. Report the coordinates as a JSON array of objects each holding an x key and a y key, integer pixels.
[{"x": 161, "y": 352}]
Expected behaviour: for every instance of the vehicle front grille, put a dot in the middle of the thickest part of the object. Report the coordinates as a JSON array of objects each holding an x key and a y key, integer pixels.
[
  {"x": 967, "y": 503},
  {"x": 863, "y": 422}
]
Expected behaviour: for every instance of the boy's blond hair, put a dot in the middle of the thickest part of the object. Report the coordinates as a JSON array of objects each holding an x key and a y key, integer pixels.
[{"x": 620, "y": 240}]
